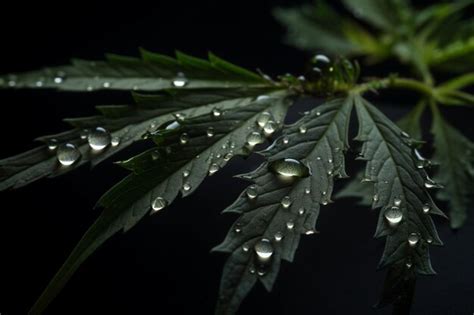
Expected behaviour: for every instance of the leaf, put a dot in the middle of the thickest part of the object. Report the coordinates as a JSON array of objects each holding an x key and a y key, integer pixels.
[
  {"x": 283, "y": 207},
  {"x": 174, "y": 166},
  {"x": 150, "y": 73},
  {"x": 455, "y": 153},
  {"x": 399, "y": 186},
  {"x": 126, "y": 123}
]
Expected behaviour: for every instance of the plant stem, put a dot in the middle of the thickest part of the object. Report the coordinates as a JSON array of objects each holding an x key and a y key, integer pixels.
[{"x": 397, "y": 83}]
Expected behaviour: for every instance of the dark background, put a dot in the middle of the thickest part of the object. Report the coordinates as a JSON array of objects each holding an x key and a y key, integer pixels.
[{"x": 163, "y": 265}]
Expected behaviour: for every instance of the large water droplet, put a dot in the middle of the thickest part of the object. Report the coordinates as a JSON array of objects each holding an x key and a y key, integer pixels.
[
  {"x": 393, "y": 215},
  {"x": 264, "y": 249},
  {"x": 184, "y": 138},
  {"x": 286, "y": 202},
  {"x": 213, "y": 168},
  {"x": 68, "y": 154},
  {"x": 263, "y": 119},
  {"x": 413, "y": 239},
  {"x": 99, "y": 138},
  {"x": 289, "y": 168},
  {"x": 158, "y": 204},
  {"x": 254, "y": 138},
  {"x": 180, "y": 80},
  {"x": 252, "y": 192}
]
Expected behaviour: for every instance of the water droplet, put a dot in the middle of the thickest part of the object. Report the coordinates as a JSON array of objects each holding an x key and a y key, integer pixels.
[
  {"x": 289, "y": 168},
  {"x": 285, "y": 140},
  {"x": 397, "y": 202},
  {"x": 278, "y": 236},
  {"x": 173, "y": 125},
  {"x": 429, "y": 240},
  {"x": 186, "y": 186},
  {"x": 290, "y": 225},
  {"x": 84, "y": 134},
  {"x": 263, "y": 119},
  {"x": 286, "y": 202},
  {"x": 262, "y": 98},
  {"x": 39, "y": 83},
  {"x": 252, "y": 270},
  {"x": 184, "y": 138},
  {"x": 115, "y": 141},
  {"x": 213, "y": 168},
  {"x": 393, "y": 216},
  {"x": 238, "y": 227},
  {"x": 245, "y": 247},
  {"x": 155, "y": 155},
  {"x": 11, "y": 83},
  {"x": 310, "y": 232},
  {"x": 375, "y": 198},
  {"x": 106, "y": 85},
  {"x": 228, "y": 156},
  {"x": 330, "y": 161},
  {"x": 329, "y": 172},
  {"x": 180, "y": 117},
  {"x": 180, "y": 80},
  {"x": 210, "y": 132},
  {"x": 404, "y": 134},
  {"x": 429, "y": 183},
  {"x": 159, "y": 203},
  {"x": 413, "y": 239},
  {"x": 216, "y": 112},
  {"x": 68, "y": 154},
  {"x": 302, "y": 129},
  {"x": 252, "y": 192},
  {"x": 324, "y": 202},
  {"x": 318, "y": 113},
  {"x": 52, "y": 144},
  {"x": 186, "y": 173},
  {"x": 409, "y": 264},
  {"x": 426, "y": 208},
  {"x": 261, "y": 272},
  {"x": 270, "y": 127},
  {"x": 301, "y": 211},
  {"x": 99, "y": 138},
  {"x": 264, "y": 249},
  {"x": 307, "y": 191},
  {"x": 90, "y": 88},
  {"x": 254, "y": 138}
]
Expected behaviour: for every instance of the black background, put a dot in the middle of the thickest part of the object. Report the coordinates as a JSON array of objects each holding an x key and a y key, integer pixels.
[{"x": 163, "y": 265}]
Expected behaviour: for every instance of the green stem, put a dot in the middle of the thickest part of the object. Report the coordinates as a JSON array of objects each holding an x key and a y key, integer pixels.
[{"x": 397, "y": 83}]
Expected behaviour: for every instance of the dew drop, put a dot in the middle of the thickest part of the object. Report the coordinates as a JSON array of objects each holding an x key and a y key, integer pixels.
[
  {"x": 254, "y": 138},
  {"x": 173, "y": 125},
  {"x": 429, "y": 183},
  {"x": 375, "y": 198},
  {"x": 186, "y": 173},
  {"x": 68, "y": 154},
  {"x": 285, "y": 140},
  {"x": 393, "y": 216},
  {"x": 289, "y": 168},
  {"x": 238, "y": 227},
  {"x": 180, "y": 117},
  {"x": 262, "y": 98},
  {"x": 426, "y": 208},
  {"x": 263, "y": 119},
  {"x": 290, "y": 225},
  {"x": 307, "y": 191},
  {"x": 52, "y": 144},
  {"x": 115, "y": 141},
  {"x": 429, "y": 240},
  {"x": 213, "y": 168},
  {"x": 84, "y": 134},
  {"x": 409, "y": 264},
  {"x": 216, "y": 112},
  {"x": 252, "y": 192},
  {"x": 106, "y": 85},
  {"x": 270, "y": 127},
  {"x": 397, "y": 202},
  {"x": 318, "y": 113},
  {"x": 310, "y": 232},
  {"x": 99, "y": 138},
  {"x": 245, "y": 248},
  {"x": 186, "y": 186},
  {"x": 180, "y": 80},
  {"x": 158, "y": 204},
  {"x": 278, "y": 236},
  {"x": 184, "y": 138},
  {"x": 286, "y": 202},
  {"x": 210, "y": 132},
  {"x": 89, "y": 88},
  {"x": 252, "y": 270},
  {"x": 264, "y": 249},
  {"x": 302, "y": 129},
  {"x": 413, "y": 239}
]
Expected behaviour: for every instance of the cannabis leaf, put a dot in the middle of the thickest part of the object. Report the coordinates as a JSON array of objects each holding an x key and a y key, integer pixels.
[
  {"x": 455, "y": 153},
  {"x": 283, "y": 200},
  {"x": 187, "y": 151},
  {"x": 150, "y": 73},
  {"x": 400, "y": 188}
]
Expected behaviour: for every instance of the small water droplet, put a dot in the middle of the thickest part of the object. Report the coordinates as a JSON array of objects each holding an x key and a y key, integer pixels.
[
  {"x": 186, "y": 186},
  {"x": 11, "y": 83},
  {"x": 375, "y": 198},
  {"x": 262, "y": 98},
  {"x": 184, "y": 138},
  {"x": 301, "y": 211},
  {"x": 52, "y": 144},
  {"x": 99, "y": 138},
  {"x": 89, "y": 88},
  {"x": 263, "y": 119},
  {"x": 289, "y": 168},
  {"x": 115, "y": 141},
  {"x": 213, "y": 168},
  {"x": 278, "y": 236},
  {"x": 210, "y": 132},
  {"x": 429, "y": 240},
  {"x": 285, "y": 140},
  {"x": 426, "y": 208},
  {"x": 186, "y": 173},
  {"x": 286, "y": 202},
  {"x": 394, "y": 216},
  {"x": 155, "y": 155},
  {"x": 397, "y": 202},
  {"x": 254, "y": 138},
  {"x": 409, "y": 264},
  {"x": 106, "y": 85},
  {"x": 84, "y": 134},
  {"x": 329, "y": 172},
  {"x": 318, "y": 113},
  {"x": 264, "y": 249},
  {"x": 245, "y": 247},
  {"x": 39, "y": 83},
  {"x": 330, "y": 161},
  {"x": 180, "y": 80},
  {"x": 252, "y": 192},
  {"x": 238, "y": 227},
  {"x": 290, "y": 225},
  {"x": 302, "y": 129},
  {"x": 310, "y": 232},
  {"x": 159, "y": 203},
  {"x": 413, "y": 239},
  {"x": 180, "y": 117},
  {"x": 216, "y": 112},
  {"x": 68, "y": 154},
  {"x": 252, "y": 270},
  {"x": 270, "y": 127},
  {"x": 429, "y": 183}
]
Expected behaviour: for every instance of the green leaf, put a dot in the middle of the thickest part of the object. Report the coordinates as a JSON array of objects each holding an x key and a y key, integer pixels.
[
  {"x": 283, "y": 207},
  {"x": 400, "y": 190},
  {"x": 455, "y": 154},
  {"x": 174, "y": 166},
  {"x": 126, "y": 123},
  {"x": 152, "y": 72}
]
